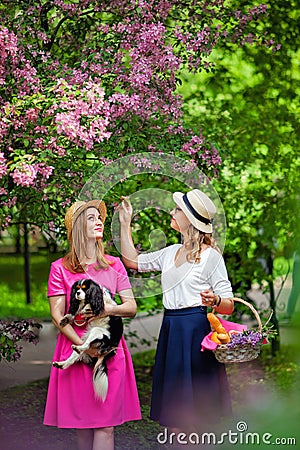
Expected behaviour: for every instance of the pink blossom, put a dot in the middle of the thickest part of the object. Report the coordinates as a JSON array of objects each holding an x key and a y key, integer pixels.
[
  {"x": 24, "y": 175},
  {"x": 82, "y": 117},
  {"x": 198, "y": 147},
  {"x": 8, "y": 49},
  {"x": 189, "y": 167},
  {"x": 51, "y": 226},
  {"x": 7, "y": 222},
  {"x": 194, "y": 145},
  {"x": 3, "y": 168},
  {"x": 32, "y": 114},
  {"x": 211, "y": 156},
  {"x": 11, "y": 202},
  {"x": 43, "y": 170},
  {"x": 53, "y": 145},
  {"x": 4, "y": 125}
]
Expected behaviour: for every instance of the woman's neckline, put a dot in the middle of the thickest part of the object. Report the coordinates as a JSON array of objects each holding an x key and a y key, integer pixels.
[{"x": 185, "y": 261}]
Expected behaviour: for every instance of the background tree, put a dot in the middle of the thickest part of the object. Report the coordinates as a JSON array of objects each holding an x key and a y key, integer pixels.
[{"x": 252, "y": 95}]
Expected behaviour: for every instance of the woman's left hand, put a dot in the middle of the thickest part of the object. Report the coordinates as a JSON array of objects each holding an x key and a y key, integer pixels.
[
  {"x": 108, "y": 310},
  {"x": 208, "y": 298}
]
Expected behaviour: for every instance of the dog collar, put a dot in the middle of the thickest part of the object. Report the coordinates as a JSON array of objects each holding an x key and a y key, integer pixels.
[{"x": 79, "y": 320}]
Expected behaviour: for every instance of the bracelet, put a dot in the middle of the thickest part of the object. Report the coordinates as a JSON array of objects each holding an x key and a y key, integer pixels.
[{"x": 218, "y": 301}]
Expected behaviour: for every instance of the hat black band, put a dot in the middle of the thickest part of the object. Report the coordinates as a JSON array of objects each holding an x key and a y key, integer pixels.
[{"x": 194, "y": 212}]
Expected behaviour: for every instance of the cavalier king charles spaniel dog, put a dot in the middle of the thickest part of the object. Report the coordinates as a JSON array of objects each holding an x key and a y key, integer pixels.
[{"x": 102, "y": 333}]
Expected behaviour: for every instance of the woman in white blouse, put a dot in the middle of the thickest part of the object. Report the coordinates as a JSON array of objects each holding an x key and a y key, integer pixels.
[{"x": 190, "y": 388}]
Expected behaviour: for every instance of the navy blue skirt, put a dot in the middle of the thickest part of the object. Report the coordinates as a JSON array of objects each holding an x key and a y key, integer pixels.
[{"x": 190, "y": 387}]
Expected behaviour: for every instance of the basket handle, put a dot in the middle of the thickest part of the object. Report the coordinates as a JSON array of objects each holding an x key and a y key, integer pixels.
[{"x": 240, "y": 300}]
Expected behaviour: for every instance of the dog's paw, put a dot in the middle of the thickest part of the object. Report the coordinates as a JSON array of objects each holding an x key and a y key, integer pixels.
[
  {"x": 68, "y": 318},
  {"x": 57, "y": 364},
  {"x": 76, "y": 348},
  {"x": 107, "y": 296}
]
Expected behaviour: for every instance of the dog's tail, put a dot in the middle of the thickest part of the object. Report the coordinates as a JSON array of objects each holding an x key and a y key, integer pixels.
[{"x": 100, "y": 379}]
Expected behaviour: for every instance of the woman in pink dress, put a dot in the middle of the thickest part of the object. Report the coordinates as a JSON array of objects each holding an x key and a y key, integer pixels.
[{"x": 71, "y": 402}]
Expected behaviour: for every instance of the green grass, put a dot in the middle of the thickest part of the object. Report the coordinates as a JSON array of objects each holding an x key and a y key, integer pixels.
[
  {"x": 13, "y": 304},
  {"x": 13, "y": 296},
  {"x": 283, "y": 368},
  {"x": 12, "y": 269}
]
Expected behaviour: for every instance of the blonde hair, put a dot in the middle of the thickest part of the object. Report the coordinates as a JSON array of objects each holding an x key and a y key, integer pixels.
[
  {"x": 78, "y": 250},
  {"x": 196, "y": 240}
]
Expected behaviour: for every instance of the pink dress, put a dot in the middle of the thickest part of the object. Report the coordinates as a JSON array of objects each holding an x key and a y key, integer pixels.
[{"x": 71, "y": 402}]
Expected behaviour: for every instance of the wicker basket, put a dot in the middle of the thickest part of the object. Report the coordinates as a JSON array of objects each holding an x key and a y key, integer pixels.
[{"x": 248, "y": 352}]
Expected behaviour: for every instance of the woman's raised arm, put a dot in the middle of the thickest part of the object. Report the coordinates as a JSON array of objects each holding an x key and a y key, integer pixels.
[{"x": 129, "y": 253}]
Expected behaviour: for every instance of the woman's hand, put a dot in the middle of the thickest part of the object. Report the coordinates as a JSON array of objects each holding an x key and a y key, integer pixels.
[
  {"x": 209, "y": 298},
  {"x": 125, "y": 211},
  {"x": 221, "y": 305},
  {"x": 126, "y": 309},
  {"x": 108, "y": 311},
  {"x": 129, "y": 253}
]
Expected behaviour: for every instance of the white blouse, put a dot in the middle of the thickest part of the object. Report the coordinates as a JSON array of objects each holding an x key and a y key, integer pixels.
[{"x": 182, "y": 285}]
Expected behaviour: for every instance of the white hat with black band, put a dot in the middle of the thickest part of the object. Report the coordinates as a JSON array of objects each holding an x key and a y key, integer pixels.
[{"x": 198, "y": 208}]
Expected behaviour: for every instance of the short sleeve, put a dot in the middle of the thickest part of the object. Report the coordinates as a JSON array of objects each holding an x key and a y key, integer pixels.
[
  {"x": 56, "y": 284},
  {"x": 122, "y": 277},
  {"x": 148, "y": 262}
]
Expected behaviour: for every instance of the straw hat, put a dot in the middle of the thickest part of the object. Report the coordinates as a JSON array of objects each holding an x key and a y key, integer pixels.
[
  {"x": 198, "y": 208},
  {"x": 78, "y": 207}
]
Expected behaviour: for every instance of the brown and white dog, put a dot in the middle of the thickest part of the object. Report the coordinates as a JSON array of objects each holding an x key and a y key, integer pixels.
[{"x": 103, "y": 333}]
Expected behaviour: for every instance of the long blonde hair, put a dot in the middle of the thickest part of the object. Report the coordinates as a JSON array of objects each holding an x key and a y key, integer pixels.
[
  {"x": 196, "y": 240},
  {"x": 78, "y": 248}
]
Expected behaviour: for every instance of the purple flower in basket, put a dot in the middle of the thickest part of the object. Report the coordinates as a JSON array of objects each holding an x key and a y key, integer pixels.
[{"x": 246, "y": 338}]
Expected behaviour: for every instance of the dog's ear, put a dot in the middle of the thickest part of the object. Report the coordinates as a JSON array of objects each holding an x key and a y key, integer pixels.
[
  {"x": 94, "y": 297},
  {"x": 74, "y": 303}
]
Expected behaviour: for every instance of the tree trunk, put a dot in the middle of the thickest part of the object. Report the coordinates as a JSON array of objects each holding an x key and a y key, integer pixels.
[
  {"x": 18, "y": 241},
  {"x": 26, "y": 265}
]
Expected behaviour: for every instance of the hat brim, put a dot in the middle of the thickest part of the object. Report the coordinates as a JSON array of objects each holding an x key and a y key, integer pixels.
[{"x": 205, "y": 228}]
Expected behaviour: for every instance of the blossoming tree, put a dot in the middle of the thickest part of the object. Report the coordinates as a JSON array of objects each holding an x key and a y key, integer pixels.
[{"x": 82, "y": 83}]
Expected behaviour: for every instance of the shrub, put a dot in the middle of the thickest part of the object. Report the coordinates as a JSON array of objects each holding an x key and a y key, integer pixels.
[{"x": 11, "y": 332}]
